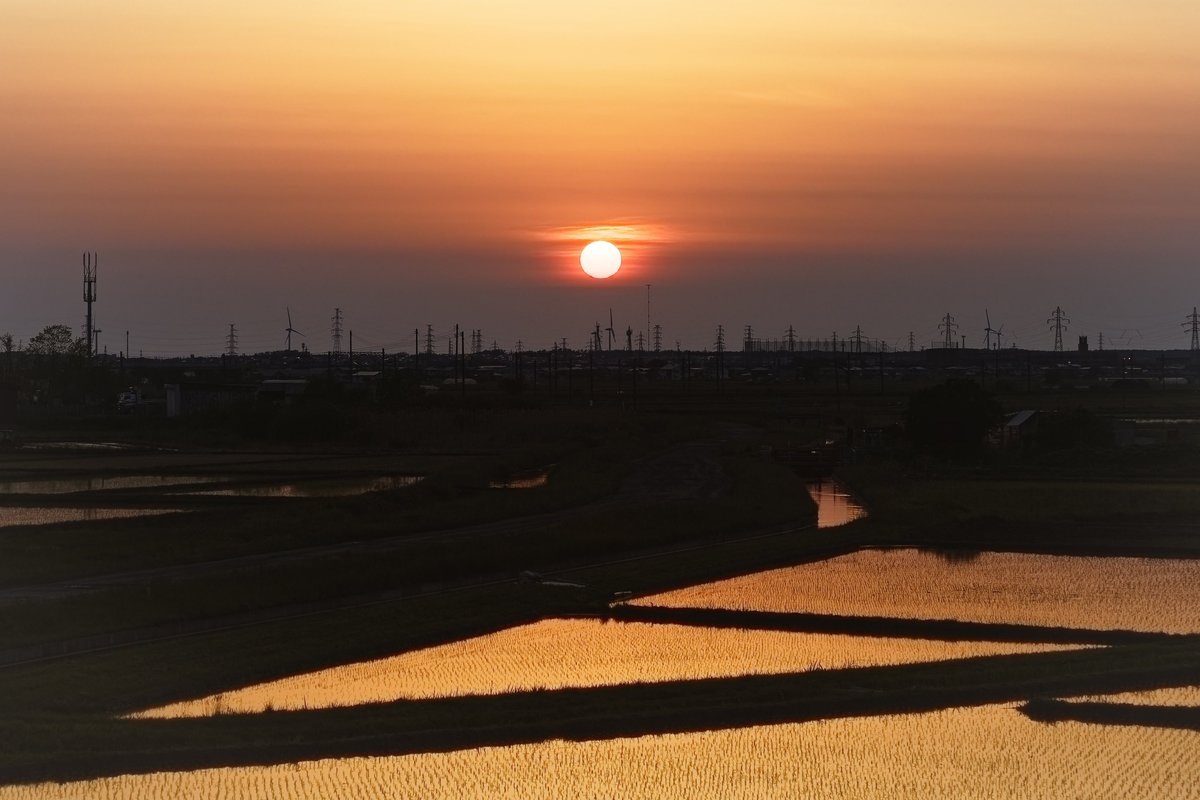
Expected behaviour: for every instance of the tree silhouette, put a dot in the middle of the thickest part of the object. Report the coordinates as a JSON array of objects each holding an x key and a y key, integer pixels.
[{"x": 951, "y": 419}]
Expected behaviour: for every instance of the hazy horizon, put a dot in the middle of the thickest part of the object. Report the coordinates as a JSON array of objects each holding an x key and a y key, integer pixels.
[{"x": 816, "y": 167}]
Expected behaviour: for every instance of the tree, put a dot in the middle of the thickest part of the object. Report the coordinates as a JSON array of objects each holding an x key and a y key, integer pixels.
[
  {"x": 951, "y": 419},
  {"x": 6, "y": 341},
  {"x": 57, "y": 340}
]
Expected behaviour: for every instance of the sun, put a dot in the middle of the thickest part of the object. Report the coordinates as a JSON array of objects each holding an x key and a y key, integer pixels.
[{"x": 600, "y": 259}]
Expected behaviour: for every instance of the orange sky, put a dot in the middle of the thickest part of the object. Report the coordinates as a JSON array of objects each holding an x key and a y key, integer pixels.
[{"x": 788, "y": 139}]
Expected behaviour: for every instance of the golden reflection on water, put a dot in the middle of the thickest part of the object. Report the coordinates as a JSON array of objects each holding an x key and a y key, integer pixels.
[
  {"x": 1174, "y": 696},
  {"x": 29, "y": 515},
  {"x": 835, "y": 505},
  {"x": 559, "y": 653},
  {"x": 988, "y": 753},
  {"x": 1099, "y": 593}
]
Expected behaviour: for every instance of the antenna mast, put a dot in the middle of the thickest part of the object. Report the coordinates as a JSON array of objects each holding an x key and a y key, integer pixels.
[{"x": 90, "y": 260}]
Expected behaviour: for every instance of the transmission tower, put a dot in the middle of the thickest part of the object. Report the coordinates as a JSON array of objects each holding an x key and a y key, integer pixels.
[
  {"x": 657, "y": 338},
  {"x": 947, "y": 327},
  {"x": 90, "y": 260},
  {"x": 720, "y": 339},
  {"x": 790, "y": 338},
  {"x": 1193, "y": 325},
  {"x": 641, "y": 342},
  {"x": 231, "y": 341},
  {"x": 429, "y": 340},
  {"x": 858, "y": 338},
  {"x": 335, "y": 332},
  {"x": 748, "y": 334},
  {"x": 1059, "y": 322},
  {"x": 912, "y": 343}
]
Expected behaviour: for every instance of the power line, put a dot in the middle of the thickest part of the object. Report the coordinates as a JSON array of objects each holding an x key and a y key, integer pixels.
[
  {"x": 947, "y": 327},
  {"x": 336, "y": 332},
  {"x": 1193, "y": 325},
  {"x": 1058, "y": 322}
]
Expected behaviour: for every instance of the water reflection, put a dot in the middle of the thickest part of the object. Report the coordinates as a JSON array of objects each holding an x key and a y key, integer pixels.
[
  {"x": 986, "y": 752},
  {"x": 559, "y": 653},
  {"x": 93, "y": 483},
  {"x": 535, "y": 480},
  {"x": 328, "y": 488},
  {"x": 835, "y": 505},
  {"x": 27, "y": 515}
]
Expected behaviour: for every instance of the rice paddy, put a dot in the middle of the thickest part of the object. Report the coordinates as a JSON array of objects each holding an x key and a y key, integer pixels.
[
  {"x": 989, "y": 753},
  {"x": 326, "y": 488},
  {"x": 1157, "y": 595},
  {"x": 37, "y": 515},
  {"x": 559, "y": 653}
]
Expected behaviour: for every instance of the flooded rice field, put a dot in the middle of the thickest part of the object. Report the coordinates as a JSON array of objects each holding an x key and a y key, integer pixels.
[
  {"x": 985, "y": 753},
  {"x": 1161, "y": 595},
  {"x": 33, "y": 515},
  {"x": 560, "y": 653},
  {"x": 340, "y": 487},
  {"x": 101, "y": 483}
]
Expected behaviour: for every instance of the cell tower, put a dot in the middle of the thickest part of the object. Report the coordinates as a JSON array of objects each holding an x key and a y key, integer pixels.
[
  {"x": 947, "y": 327},
  {"x": 336, "y": 332},
  {"x": 657, "y": 338},
  {"x": 90, "y": 260},
  {"x": 231, "y": 341},
  {"x": 1193, "y": 326},
  {"x": 1058, "y": 322}
]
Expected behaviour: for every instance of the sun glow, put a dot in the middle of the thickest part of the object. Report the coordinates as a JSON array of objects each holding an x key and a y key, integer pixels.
[{"x": 600, "y": 259}]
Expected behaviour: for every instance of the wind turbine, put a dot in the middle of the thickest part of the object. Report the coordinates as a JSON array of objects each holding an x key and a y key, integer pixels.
[
  {"x": 611, "y": 332},
  {"x": 988, "y": 331},
  {"x": 290, "y": 330}
]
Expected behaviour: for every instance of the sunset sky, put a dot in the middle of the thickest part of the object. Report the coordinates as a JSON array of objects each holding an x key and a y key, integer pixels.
[{"x": 767, "y": 163}]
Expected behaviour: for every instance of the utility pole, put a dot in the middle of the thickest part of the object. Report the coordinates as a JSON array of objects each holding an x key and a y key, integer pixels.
[
  {"x": 335, "y": 332},
  {"x": 1193, "y": 326},
  {"x": 1058, "y": 322},
  {"x": 90, "y": 261},
  {"x": 231, "y": 341},
  {"x": 720, "y": 355},
  {"x": 648, "y": 314},
  {"x": 947, "y": 327}
]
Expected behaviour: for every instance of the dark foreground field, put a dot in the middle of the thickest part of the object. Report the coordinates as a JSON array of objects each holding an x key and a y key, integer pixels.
[{"x": 105, "y": 618}]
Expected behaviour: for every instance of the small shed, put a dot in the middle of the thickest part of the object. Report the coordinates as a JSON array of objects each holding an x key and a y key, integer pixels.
[{"x": 1019, "y": 426}]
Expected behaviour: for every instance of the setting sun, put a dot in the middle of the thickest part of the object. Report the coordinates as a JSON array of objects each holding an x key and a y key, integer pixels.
[{"x": 600, "y": 259}]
